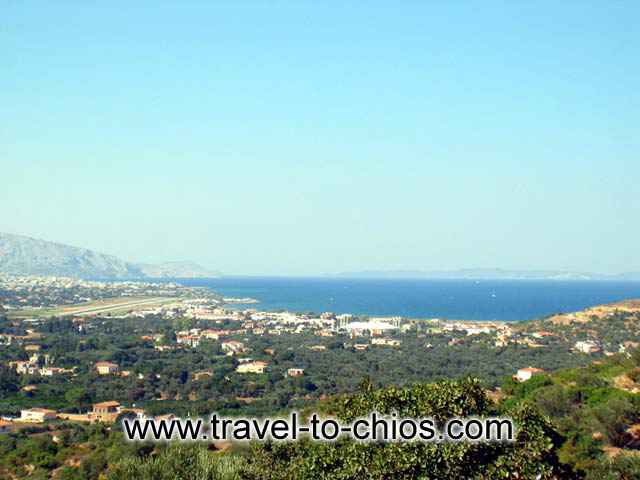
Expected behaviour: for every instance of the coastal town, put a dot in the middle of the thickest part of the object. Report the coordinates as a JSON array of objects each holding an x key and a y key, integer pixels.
[{"x": 224, "y": 348}]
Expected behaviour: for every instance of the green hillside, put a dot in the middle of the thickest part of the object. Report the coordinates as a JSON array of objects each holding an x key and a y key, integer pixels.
[{"x": 579, "y": 423}]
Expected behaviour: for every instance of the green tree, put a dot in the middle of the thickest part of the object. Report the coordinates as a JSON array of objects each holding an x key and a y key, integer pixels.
[
  {"x": 531, "y": 456},
  {"x": 78, "y": 397}
]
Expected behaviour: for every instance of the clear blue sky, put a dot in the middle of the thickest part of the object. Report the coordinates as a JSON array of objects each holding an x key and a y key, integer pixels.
[{"x": 309, "y": 137}]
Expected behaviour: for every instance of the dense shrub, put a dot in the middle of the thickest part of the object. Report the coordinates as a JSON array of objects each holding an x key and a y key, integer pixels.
[{"x": 532, "y": 455}]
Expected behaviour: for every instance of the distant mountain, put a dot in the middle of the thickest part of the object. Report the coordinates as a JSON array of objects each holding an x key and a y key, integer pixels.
[
  {"x": 488, "y": 274},
  {"x": 635, "y": 276},
  {"x": 21, "y": 255},
  {"x": 176, "y": 270}
]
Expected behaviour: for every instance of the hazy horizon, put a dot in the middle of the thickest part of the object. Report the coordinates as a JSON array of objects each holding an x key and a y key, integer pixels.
[{"x": 305, "y": 139}]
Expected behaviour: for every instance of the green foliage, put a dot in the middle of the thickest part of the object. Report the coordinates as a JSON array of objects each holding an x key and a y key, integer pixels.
[
  {"x": 78, "y": 397},
  {"x": 530, "y": 456},
  {"x": 612, "y": 418},
  {"x": 602, "y": 395},
  {"x": 620, "y": 468},
  {"x": 588, "y": 411},
  {"x": 9, "y": 381},
  {"x": 521, "y": 390},
  {"x": 37, "y": 450},
  {"x": 334, "y": 371},
  {"x": 555, "y": 400},
  {"x": 180, "y": 462},
  {"x": 584, "y": 405},
  {"x": 440, "y": 400},
  {"x": 635, "y": 356}
]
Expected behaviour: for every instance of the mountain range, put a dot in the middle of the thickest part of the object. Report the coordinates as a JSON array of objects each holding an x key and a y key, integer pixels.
[{"x": 22, "y": 255}]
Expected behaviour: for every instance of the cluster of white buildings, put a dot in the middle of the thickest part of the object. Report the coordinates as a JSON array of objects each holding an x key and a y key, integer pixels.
[
  {"x": 277, "y": 323},
  {"x": 39, "y": 364},
  {"x": 371, "y": 327},
  {"x": 193, "y": 336}
]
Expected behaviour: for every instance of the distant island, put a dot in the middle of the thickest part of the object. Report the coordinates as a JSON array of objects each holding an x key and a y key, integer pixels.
[
  {"x": 184, "y": 269},
  {"x": 22, "y": 255},
  {"x": 487, "y": 274}
]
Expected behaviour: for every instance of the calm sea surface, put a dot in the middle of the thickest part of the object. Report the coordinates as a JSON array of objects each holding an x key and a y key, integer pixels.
[{"x": 450, "y": 299}]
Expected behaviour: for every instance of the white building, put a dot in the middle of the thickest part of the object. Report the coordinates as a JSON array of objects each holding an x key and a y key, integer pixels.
[
  {"x": 587, "y": 346},
  {"x": 106, "y": 368},
  {"x": 525, "y": 374},
  {"x": 252, "y": 367},
  {"x": 389, "y": 342},
  {"x": 37, "y": 415},
  {"x": 232, "y": 347}
]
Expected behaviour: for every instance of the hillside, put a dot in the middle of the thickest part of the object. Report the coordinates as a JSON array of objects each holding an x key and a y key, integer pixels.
[
  {"x": 22, "y": 255},
  {"x": 596, "y": 409},
  {"x": 578, "y": 415},
  {"x": 599, "y": 312},
  {"x": 573, "y": 424}
]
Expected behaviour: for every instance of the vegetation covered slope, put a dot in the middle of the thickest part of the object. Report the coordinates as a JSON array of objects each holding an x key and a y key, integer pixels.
[{"x": 577, "y": 423}]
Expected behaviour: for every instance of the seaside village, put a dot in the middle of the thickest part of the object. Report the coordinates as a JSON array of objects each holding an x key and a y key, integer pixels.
[{"x": 229, "y": 326}]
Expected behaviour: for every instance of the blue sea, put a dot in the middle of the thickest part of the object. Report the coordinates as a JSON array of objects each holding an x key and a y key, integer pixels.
[{"x": 507, "y": 300}]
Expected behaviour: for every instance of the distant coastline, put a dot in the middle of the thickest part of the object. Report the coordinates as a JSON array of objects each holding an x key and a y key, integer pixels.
[{"x": 488, "y": 274}]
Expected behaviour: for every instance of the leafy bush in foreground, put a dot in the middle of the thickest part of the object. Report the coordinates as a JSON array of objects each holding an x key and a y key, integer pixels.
[{"x": 531, "y": 456}]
